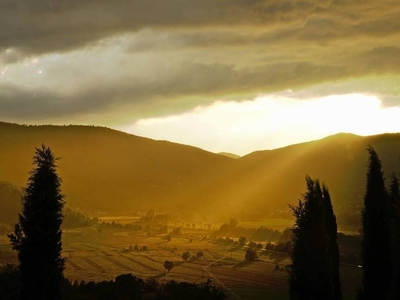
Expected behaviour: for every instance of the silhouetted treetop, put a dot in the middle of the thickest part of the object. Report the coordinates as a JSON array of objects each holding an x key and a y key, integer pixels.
[{"x": 37, "y": 235}]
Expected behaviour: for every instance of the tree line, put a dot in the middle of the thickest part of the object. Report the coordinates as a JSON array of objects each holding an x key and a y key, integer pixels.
[{"x": 314, "y": 272}]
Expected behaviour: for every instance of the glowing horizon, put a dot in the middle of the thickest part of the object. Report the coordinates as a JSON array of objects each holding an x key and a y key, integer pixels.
[{"x": 270, "y": 122}]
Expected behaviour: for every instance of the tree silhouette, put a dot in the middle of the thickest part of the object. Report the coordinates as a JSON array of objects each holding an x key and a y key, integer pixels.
[
  {"x": 168, "y": 265},
  {"x": 37, "y": 235},
  {"x": 186, "y": 255},
  {"x": 333, "y": 248},
  {"x": 312, "y": 274},
  {"x": 394, "y": 198},
  {"x": 251, "y": 255},
  {"x": 199, "y": 255},
  {"x": 242, "y": 241},
  {"x": 375, "y": 245}
]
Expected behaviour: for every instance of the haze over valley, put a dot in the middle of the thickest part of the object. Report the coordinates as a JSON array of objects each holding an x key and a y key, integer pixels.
[{"x": 110, "y": 171}]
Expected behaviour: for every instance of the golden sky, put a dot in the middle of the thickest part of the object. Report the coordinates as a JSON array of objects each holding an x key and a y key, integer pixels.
[{"x": 213, "y": 73}]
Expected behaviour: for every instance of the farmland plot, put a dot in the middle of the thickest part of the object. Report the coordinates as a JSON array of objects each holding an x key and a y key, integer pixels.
[{"x": 94, "y": 255}]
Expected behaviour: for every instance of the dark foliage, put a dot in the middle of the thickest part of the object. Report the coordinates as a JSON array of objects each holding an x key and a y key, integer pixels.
[
  {"x": 115, "y": 225},
  {"x": 73, "y": 219},
  {"x": 280, "y": 247},
  {"x": 394, "y": 198},
  {"x": 184, "y": 290},
  {"x": 376, "y": 242},
  {"x": 252, "y": 245},
  {"x": 124, "y": 287},
  {"x": 286, "y": 236},
  {"x": 257, "y": 234},
  {"x": 312, "y": 273},
  {"x": 186, "y": 255},
  {"x": 251, "y": 255},
  {"x": 333, "y": 248},
  {"x": 169, "y": 265},
  {"x": 37, "y": 235},
  {"x": 10, "y": 282}
]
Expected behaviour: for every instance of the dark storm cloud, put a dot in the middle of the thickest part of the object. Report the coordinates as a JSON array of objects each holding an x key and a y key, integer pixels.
[
  {"x": 40, "y": 26},
  {"x": 191, "y": 80},
  {"x": 380, "y": 58},
  {"x": 219, "y": 49},
  {"x": 191, "y": 84}
]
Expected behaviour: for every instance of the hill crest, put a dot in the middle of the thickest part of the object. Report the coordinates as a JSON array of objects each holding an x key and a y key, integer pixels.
[{"x": 109, "y": 170}]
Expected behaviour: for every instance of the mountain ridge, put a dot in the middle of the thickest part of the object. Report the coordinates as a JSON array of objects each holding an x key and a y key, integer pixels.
[{"x": 110, "y": 170}]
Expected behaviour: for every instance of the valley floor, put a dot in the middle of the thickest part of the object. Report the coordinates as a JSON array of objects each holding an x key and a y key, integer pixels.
[{"x": 96, "y": 255}]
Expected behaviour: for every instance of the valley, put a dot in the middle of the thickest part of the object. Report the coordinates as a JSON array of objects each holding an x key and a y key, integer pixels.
[{"x": 99, "y": 254}]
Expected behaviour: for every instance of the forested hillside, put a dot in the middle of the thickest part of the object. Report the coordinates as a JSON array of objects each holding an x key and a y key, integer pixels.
[{"x": 108, "y": 170}]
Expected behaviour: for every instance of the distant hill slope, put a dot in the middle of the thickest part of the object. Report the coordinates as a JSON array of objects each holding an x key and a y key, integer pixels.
[
  {"x": 104, "y": 169},
  {"x": 107, "y": 170},
  {"x": 276, "y": 177}
]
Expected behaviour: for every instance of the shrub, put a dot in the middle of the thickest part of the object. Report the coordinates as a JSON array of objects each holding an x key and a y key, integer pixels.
[
  {"x": 186, "y": 255},
  {"x": 252, "y": 245},
  {"x": 168, "y": 265},
  {"x": 251, "y": 255}
]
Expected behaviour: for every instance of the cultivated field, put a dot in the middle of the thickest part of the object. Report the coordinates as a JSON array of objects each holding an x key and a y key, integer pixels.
[{"x": 94, "y": 254}]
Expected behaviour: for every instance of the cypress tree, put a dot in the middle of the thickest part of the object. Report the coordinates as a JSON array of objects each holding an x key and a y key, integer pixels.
[
  {"x": 376, "y": 243},
  {"x": 333, "y": 248},
  {"x": 394, "y": 192},
  {"x": 37, "y": 235},
  {"x": 311, "y": 273},
  {"x": 394, "y": 198}
]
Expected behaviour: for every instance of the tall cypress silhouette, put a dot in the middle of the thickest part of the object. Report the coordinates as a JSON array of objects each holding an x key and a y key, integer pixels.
[
  {"x": 333, "y": 248},
  {"x": 394, "y": 198},
  {"x": 37, "y": 235},
  {"x": 375, "y": 245},
  {"x": 311, "y": 274}
]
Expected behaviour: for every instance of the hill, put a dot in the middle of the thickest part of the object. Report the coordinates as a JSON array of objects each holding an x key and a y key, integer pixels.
[
  {"x": 108, "y": 170},
  {"x": 276, "y": 177}
]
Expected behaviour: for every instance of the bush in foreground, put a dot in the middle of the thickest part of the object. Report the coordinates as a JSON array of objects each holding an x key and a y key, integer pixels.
[{"x": 125, "y": 286}]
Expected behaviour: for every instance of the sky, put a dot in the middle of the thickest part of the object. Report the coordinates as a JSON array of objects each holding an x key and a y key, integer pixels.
[{"x": 223, "y": 75}]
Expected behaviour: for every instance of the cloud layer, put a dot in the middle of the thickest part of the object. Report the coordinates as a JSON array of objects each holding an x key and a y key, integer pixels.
[{"x": 114, "y": 62}]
